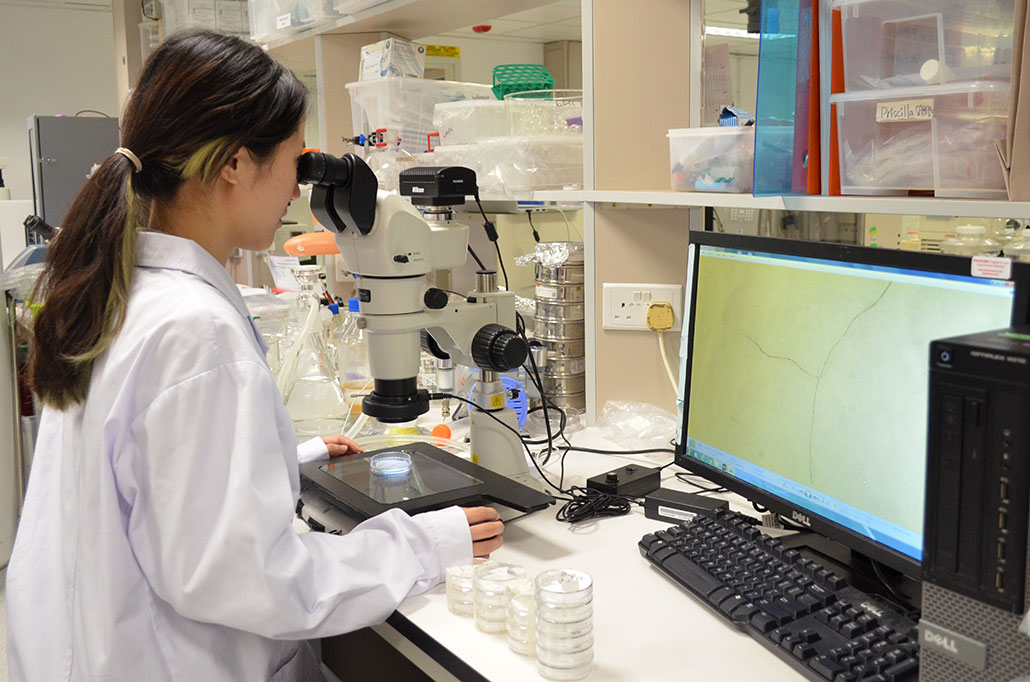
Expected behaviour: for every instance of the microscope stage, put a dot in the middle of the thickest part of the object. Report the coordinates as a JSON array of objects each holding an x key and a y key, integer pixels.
[{"x": 428, "y": 478}]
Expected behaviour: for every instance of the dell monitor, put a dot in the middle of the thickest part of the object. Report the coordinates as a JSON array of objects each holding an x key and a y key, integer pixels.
[{"x": 805, "y": 374}]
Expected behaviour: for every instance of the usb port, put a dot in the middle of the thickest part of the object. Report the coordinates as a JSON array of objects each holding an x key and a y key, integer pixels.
[
  {"x": 999, "y": 580},
  {"x": 1004, "y": 492},
  {"x": 1002, "y": 551},
  {"x": 1003, "y": 520}
]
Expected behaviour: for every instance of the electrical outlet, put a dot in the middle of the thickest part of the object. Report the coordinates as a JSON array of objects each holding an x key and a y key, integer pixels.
[{"x": 625, "y": 305}]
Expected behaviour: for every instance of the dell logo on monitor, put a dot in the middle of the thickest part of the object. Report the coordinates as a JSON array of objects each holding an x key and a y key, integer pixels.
[{"x": 801, "y": 518}]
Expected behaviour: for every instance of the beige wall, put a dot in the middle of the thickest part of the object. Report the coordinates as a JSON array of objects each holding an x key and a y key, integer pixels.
[
  {"x": 636, "y": 245},
  {"x": 633, "y": 109}
]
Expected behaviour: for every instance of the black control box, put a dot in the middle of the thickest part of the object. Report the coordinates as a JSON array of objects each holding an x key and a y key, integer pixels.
[
  {"x": 676, "y": 506},
  {"x": 632, "y": 480},
  {"x": 978, "y": 465}
]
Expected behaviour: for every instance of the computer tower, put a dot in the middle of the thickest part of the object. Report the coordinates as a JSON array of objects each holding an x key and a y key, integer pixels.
[{"x": 975, "y": 580}]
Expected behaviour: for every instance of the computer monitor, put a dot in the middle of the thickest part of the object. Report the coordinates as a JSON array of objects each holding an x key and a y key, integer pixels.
[{"x": 805, "y": 374}]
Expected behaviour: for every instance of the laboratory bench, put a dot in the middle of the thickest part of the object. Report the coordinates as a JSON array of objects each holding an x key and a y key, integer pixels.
[{"x": 645, "y": 626}]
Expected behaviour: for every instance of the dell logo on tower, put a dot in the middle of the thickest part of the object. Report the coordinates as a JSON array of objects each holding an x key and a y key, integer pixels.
[
  {"x": 801, "y": 518},
  {"x": 940, "y": 641}
]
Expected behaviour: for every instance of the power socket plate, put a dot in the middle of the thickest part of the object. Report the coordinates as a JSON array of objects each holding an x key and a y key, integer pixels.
[{"x": 625, "y": 305}]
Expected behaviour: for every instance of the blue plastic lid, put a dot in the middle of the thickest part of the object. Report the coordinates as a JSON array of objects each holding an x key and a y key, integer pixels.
[
  {"x": 334, "y": 308},
  {"x": 352, "y": 305}
]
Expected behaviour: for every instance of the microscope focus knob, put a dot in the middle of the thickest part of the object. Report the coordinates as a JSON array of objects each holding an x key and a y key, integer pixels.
[
  {"x": 435, "y": 299},
  {"x": 498, "y": 348}
]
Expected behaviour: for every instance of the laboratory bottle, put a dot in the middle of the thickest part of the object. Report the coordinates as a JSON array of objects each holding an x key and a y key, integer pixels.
[
  {"x": 1006, "y": 232},
  {"x": 308, "y": 378},
  {"x": 1019, "y": 249},
  {"x": 970, "y": 240},
  {"x": 352, "y": 359}
]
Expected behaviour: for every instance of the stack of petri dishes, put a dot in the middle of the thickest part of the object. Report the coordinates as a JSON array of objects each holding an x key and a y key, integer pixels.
[
  {"x": 460, "y": 587},
  {"x": 522, "y": 616},
  {"x": 564, "y": 624},
  {"x": 491, "y": 598},
  {"x": 560, "y": 324}
]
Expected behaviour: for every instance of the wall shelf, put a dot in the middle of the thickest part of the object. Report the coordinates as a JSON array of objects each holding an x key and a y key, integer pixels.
[
  {"x": 928, "y": 206},
  {"x": 412, "y": 19}
]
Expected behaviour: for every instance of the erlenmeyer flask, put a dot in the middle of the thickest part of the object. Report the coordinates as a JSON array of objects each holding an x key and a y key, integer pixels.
[{"x": 310, "y": 386}]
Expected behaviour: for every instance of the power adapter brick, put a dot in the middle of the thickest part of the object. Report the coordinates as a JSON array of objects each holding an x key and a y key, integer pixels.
[{"x": 676, "y": 506}]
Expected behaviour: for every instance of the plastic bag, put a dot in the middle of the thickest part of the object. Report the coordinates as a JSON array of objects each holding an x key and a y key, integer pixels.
[
  {"x": 637, "y": 426},
  {"x": 21, "y": 281}
]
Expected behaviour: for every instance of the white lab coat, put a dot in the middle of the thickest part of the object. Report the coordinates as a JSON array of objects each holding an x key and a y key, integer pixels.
[{"x": 156, "y": 541}]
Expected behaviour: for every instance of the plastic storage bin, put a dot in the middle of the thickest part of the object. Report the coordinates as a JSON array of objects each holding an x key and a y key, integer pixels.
[
  {"x": 545, "y": 112},
  {"x": 519, "y": 166},
  {"x": 271, "y": 19},
  {"x": 891, "y": 44},
  {"x": 938, "y": 138},
  {"x": 405, "y": 106},
  {"x": 468, "y": 120},
  {"x": 712, "y": 159}
]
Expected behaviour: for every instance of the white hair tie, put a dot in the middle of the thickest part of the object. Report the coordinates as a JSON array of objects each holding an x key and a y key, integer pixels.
[{"x": 131, "y": 157}]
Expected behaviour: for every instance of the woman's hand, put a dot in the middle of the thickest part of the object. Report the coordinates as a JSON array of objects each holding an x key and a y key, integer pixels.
[
  {"x": 486, "y": 528},
  {"x": 340, "y": 446}
]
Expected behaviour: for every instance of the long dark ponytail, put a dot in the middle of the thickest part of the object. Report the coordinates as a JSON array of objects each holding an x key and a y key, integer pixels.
[{"x": 201, "y": 97}]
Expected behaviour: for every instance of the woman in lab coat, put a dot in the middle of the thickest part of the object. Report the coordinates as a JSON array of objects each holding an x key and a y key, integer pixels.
[{"x": 156, "y": 540}]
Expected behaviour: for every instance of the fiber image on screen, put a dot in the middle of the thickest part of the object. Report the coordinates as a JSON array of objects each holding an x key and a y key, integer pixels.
[{"x": 817, "y": 371}]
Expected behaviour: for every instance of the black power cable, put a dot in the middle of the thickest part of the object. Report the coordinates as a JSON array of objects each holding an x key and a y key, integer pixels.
[{"x": 491, "y": 234}]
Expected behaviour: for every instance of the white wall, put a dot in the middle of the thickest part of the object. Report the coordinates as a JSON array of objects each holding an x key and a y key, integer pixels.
[
  {"x": 479, "y": 56},
  {"x": 55, "y": 61}
]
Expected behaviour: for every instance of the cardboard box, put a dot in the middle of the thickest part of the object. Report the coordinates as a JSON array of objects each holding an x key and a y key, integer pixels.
[{"x": 392, "y": 57}]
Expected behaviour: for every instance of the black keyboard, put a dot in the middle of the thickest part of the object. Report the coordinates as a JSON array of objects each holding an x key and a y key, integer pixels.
[{"x": 809, "y": 616}]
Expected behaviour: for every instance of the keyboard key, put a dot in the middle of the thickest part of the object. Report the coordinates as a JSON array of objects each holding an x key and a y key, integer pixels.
[
  {"x": 745, "y": 611},
  {"x": 803, "y": 652},
  {"x": 825, "y": 666},
  {"x": 835, "y": 582},
  {"x": 719, "y": 594},
  {"x": 660, "y": 554},
  {"x": 809, "y": 636},
  {"x": 763, "y": 622},
  {"x": 728, "y": 606},
  {"x": 902, "y": 671},
  {"x": 690, "y": 574}
]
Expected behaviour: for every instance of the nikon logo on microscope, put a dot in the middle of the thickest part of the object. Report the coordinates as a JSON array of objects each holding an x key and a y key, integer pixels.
[{"x": 418, "y": 190}]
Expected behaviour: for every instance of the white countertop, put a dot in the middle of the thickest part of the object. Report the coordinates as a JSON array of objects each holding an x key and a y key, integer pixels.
[{"x": 645, "y": 626}]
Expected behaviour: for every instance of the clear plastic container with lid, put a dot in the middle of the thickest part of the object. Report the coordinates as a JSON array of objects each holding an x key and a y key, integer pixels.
[
  {"x": 1019, "y": 248},
  {"x": 970, "y": 240}
]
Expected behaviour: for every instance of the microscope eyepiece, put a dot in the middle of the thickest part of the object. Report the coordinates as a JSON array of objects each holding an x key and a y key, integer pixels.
[
  {"x": 319, "y": 168},
  {"x": 343, "y": 193}
]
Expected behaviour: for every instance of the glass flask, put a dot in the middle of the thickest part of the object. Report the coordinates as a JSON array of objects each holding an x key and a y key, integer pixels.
[
  {"x": 352, "y": 359},
  {"x": 310, "y": 385}
]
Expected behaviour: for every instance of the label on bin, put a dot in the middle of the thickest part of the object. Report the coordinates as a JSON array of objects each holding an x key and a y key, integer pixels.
[
  {"x": 992, "y": 267},
  {"x": 908, "y": 110},
  {"x": 282, "y": 21}
]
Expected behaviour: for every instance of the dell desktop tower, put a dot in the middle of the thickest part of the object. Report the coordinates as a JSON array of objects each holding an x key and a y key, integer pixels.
[{"x": 975, "y": 580}]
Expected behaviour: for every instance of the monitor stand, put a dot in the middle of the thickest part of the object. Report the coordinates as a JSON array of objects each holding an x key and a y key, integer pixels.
[{"x": 856, "y": 568}]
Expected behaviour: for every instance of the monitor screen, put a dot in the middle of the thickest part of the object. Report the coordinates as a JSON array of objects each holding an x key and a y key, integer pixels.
[{"x": 805, "y": 373}]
